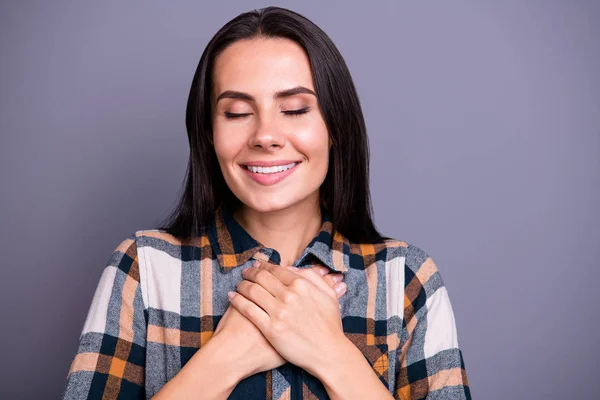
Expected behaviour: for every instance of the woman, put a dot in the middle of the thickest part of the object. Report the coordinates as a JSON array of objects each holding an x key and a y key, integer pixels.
[{"x": 278, "y": 174}]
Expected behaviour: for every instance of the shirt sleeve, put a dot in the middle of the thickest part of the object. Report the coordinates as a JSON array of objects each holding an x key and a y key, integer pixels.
[
  {"x": 430, "y": 362},
  {"x": 111, "y": 355}
]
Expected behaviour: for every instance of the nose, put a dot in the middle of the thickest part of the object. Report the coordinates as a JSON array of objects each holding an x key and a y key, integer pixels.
[{"x": 267, "y": 136}]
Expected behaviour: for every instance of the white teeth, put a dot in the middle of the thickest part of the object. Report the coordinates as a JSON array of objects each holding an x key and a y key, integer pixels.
[{"x": 270, "y": 170}]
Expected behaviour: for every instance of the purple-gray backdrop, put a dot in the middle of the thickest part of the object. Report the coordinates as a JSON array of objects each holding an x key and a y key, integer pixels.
[{"x": 484, "y": 122}]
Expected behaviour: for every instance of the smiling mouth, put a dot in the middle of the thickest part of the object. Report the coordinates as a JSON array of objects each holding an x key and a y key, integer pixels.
[
  {"x": 270, "y": 170},
  {"x": 267, "y": 176}
]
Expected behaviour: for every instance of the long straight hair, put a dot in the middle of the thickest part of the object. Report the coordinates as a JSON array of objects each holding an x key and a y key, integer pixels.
[{"x": 344, "y": 194}]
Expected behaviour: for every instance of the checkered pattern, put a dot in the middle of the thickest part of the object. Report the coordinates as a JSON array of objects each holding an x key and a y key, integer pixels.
[{"x": 160, "y": 299}]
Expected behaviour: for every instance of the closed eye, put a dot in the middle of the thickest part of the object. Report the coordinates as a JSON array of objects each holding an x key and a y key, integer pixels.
[
  {"x": 297, "y": 112},
  {"x": 229, "y": 115},
  {"x": 301, "y": 111}
]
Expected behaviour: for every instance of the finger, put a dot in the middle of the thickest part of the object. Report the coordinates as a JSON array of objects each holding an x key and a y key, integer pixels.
[
  {"x": 329, "y": 276},
  {"x": 334, "y": 279},
  {"x": 321, "y": 270},
  {"x": 313, "y": 276},
  {"x": 262, "y": 274},
  {"x": 340, "y": 289},
  {"x": 285, "y": 275},
  {"x": 248, "y": 309},
  {"x": 258, "y": 295}
]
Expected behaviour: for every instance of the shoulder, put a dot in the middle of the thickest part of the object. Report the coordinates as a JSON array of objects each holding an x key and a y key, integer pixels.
[
  {"x": 154, "y": 237},
  {"x": 420, "y": 270},
  {"x": 414, "y": 257},
  {"x": 147, "y": 238},
  {"x": 133, "y": 252},
  {"x": 418, "y": 267},
  {"x": 160, "y": 240},
  {"x": 124, "y": 256},
  {"x": 424, "y": 288},
  {"x": 156, "y": 247}
]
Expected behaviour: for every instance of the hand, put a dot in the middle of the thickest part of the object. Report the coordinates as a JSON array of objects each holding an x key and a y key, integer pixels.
[
  {"x": 255, "y": 353},
  {"x": 298, "y": 314}
]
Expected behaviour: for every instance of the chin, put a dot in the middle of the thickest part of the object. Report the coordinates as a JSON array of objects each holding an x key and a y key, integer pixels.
[
  {"x": 268, "y": 205},
  {"x": 270, "y": 202}
]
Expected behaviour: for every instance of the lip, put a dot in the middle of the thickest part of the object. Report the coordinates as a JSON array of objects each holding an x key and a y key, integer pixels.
[
  {"x": 269, "y": 163},
  {"x": 270, "y": 179}
]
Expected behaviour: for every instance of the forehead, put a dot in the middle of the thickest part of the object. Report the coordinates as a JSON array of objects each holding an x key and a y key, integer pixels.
[{"x": 261, "y": 65}]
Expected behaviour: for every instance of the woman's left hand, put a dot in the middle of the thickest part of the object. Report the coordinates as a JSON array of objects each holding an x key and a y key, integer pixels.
[{"x": 296, "y": 311}]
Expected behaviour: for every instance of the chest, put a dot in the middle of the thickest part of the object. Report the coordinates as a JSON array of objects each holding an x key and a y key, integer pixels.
[{"x": 186, "y": 300}]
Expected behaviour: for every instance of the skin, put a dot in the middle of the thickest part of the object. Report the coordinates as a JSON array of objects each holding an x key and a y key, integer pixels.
[
  {"x": 257, "y": 354},
  {"x": 284, "y": 216},
  {"x": 276, "y": 314}
]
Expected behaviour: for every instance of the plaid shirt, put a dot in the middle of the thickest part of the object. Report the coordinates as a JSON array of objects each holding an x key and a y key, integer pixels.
[{"x": 159, "y": 300}]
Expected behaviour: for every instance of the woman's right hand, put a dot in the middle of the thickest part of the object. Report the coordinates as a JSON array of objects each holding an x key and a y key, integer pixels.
[{"x": 254, "y": 352}]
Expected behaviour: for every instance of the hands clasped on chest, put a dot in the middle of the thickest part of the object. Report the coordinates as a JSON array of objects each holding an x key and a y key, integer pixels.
[{"x": 281, "y": 314}]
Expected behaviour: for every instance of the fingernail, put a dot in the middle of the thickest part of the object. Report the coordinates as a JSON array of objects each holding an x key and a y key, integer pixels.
[
  {"x": 340, "y": 287},
  {"x": 323, "y": 271},
  {"x": 256, "y": 264},
  {"x": 291, "y": 268},
  {"x": 338, "y": 277},
  {"x": 230, "y": 295}
]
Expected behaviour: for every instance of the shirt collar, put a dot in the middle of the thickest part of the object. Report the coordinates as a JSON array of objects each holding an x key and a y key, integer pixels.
[{"x": 233, "y": 245}]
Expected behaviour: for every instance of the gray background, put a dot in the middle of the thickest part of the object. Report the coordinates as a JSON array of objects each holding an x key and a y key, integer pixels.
[{"x": 484, "y": 123}]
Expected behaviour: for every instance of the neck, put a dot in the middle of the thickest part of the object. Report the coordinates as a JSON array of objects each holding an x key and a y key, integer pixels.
[{"x": 288, "y": 231}]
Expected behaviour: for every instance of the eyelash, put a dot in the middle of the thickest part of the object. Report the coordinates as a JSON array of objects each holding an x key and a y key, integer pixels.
[{"x": 293, "y": 113}]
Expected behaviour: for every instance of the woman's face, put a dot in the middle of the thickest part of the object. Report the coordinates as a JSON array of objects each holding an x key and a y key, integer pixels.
[{"x": 288, "y": 154}]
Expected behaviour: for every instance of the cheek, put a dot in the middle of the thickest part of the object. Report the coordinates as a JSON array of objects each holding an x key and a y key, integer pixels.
[
  {"x": 314, "y": 144},
  {"x": 227, "y": 146}
]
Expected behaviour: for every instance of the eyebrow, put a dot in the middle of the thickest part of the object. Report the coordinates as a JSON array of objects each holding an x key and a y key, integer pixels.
[{"x": 233, "y": 94}]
